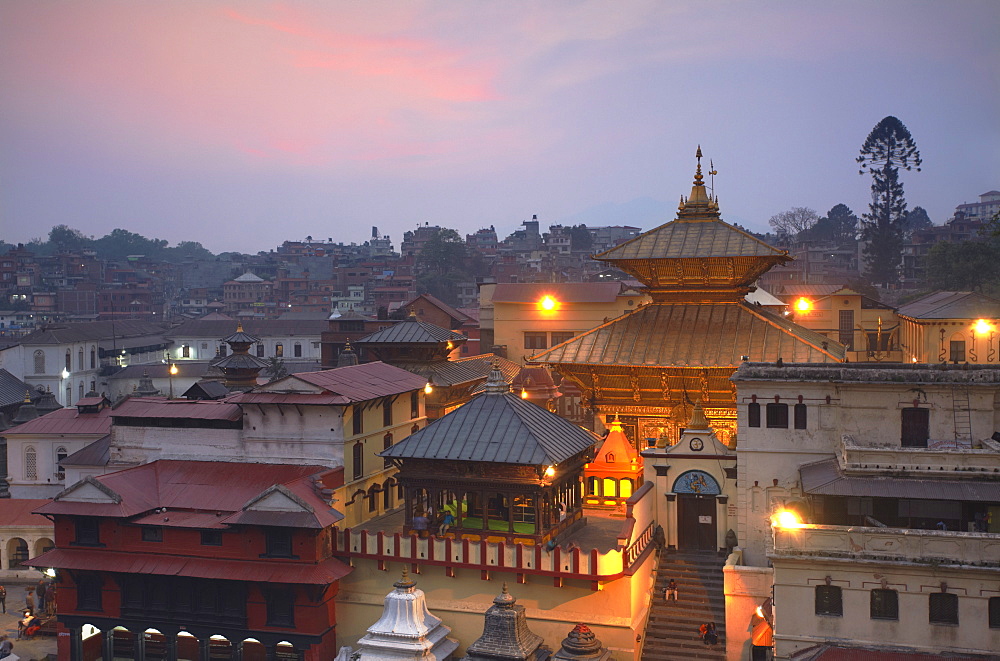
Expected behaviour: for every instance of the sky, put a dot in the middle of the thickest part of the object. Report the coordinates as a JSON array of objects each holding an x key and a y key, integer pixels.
[{"x": 244, "y": 124}]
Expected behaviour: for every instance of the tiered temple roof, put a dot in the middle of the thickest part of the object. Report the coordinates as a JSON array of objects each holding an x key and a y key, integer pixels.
[{"x": 683, "y": 346}]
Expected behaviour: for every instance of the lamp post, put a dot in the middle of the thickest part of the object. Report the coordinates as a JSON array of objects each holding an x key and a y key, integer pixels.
[{"x": 171, "y": 371}]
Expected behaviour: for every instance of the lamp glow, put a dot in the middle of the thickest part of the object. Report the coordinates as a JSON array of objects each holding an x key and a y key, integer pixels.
[
  {"x": 173, "y": 369},
  {"x": 428, "y": 389},
  {"x": 982, "y": 327},
  {"x": 803, "y": 305},
  {"x": 65, "y": 373},
  {"x": 547, "y": 303},
  {"x": 760, "y": 612},
  {"x": 787, "y": 519},
  {"x": 550, "y": 471},
  {"x": 524, "y": 394}
]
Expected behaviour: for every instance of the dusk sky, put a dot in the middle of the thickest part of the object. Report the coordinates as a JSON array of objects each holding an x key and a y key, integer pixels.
[{"x": 244, "y": 124}]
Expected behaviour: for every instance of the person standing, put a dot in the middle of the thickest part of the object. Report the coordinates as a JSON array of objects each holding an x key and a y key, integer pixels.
[
  {"x": 3, "y": 598},
  {"x": 670, "y": 590},
  {"x": 29, "y": 599},
  {"x": 40, "y": 591}
]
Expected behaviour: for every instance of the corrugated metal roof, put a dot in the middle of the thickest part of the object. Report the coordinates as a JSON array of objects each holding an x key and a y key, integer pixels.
[
  {"x": 686, "y": 238},
  {"x": 92, "y": 331},
  {"x": 441, "y": 305},
  {"x": 211, "y": 486},
  {"x": 20, "y": 512},
  {"x": 215, "y": 329},
  {"x": 303, "y": 398},
  {"x": 183, "y": 519},
  {"x": 193, "y": 409},
  {"x": 411, "y": 331},
  {"x": 565, "y": 292},
  {"x": 496, "y": 428},
  {"x": 445, "y": 372},
  {"x": 825, "y": 478},
  {"x": 952, "y": 305},
  {"x": 240, "y": 361},
  {"x": 67, "y": 422},
  {"x": 321, "y": 573},
  {"x": 206, "y": 390},
  {"x": 12, "y": 389},
  {"x": 363, "y": 382},
  {"x": 694, "y": 335},
  {"x": 97, "y": 453}
]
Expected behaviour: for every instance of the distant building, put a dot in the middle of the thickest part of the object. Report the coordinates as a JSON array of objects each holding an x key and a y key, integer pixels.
[
  {"x": 950, "y": 327},
  {"x": 249, "y": 295}
]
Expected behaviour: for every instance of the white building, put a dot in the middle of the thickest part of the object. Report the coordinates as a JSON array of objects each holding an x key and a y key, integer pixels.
[
  {"x": 297, "y": 339},
  {"x": 893, "y": 469},
  {"x": 67, "y": 358}
]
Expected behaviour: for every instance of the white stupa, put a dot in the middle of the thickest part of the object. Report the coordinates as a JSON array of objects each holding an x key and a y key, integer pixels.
[{"x": 406, "y": 630}]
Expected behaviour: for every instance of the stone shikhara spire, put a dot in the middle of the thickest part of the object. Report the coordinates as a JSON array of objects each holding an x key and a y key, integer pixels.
[
  {"x": 406, "y": 630},
  {"x": 506, "y": 636}
]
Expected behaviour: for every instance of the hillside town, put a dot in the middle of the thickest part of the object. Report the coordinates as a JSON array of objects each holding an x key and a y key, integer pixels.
[{"x": 688, "y": 442}]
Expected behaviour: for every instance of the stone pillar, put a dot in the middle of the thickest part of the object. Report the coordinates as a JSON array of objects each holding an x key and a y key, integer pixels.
[
  {"x": 75, "y": 644},
  {"x": 170, "y": 642},
  {"x": 206, "y": 651},
  {"x": 671, "y": 527},
  {"x": 108, "y": 645},
  {"x": 140, "y": 645},
  {"x": 722, "y": 521}
]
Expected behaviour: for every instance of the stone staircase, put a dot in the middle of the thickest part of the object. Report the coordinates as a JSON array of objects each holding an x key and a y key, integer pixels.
[{"x": 672, "y": 629}]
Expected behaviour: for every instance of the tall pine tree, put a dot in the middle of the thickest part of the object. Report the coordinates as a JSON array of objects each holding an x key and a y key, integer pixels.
[{"x": 888, "y": 148}]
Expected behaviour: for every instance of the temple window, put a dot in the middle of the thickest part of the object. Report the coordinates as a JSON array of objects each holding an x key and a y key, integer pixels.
[
  {"x": 357, "y": 415},
  {"x": 386, "y": 444},
  {"x": 278, "y": 543},
  {"x": 386, "y": 412},
  {"x": 279, "y": 350},
  {"x": 625, "y": 488},
  {"x": 610, "y": 487},
  {"x": 956, "y": 351},
  {"x": 753, "y": 414},
  {"x": 610, "y": 457},
  {"x": 915, "y": 427},
  {"x": 280, "y": 607},
  {"x": 777, "y": 416},
  {"x": 297, "y": 350},
  {"x": 359, "y": 461},
  {"x": 39, "y": 362},
  {"x": 535, "y": 340},
  {"x": 800, "y": 416}
]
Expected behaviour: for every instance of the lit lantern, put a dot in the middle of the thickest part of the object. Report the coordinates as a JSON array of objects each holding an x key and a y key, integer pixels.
[{"x": 982, "y": 327}]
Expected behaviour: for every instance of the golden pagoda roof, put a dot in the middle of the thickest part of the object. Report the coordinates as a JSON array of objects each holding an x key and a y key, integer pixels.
[
  {"x": 694, "y": 335},
  {"x": 695, "y": 250}
]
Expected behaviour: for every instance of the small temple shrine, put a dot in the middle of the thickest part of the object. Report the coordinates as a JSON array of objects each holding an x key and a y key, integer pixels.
[
  {"x": 498, "y": 468},
  {"x": 506, "y": 636},
  {"x": 424, "y": 348},
  {"x": 241, "y": 369},
  {"x": 406, "y": 630},
  {"x": 615, "y": 472},
  {"x": 650, "y": 365}
]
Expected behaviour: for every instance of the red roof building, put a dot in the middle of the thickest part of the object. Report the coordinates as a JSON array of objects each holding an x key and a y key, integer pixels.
[{"x": 190, "y": 559}]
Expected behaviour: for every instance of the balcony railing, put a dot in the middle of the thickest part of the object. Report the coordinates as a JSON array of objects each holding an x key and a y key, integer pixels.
[
  {"x": 633, "y": 546},
  {"x": 888, "y": 544},
  {"x": 954, "y": 462}
]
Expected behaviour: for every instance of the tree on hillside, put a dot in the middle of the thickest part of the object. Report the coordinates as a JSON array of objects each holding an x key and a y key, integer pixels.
[
  {"x": 888, "y": 148},
  {"x": 66, "y": 239},
  {"x": 120, "y": 243},
  {"x": 187, "y": 251},
  {"x": 443, "y": 263},
  {"x": 917, "y": 219},
  {"x": 840, "y": 226},
  {"x": 580, "y": 238},
  {"x": 793, "y": 221},
  {"x": 966, "y": 266}
]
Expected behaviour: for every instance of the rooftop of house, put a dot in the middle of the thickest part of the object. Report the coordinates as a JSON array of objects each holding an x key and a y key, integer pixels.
[
  {"x": 338, "y": 386},
  {"x": 952, "y": 305},
  {"x": 66, "y": 422}
]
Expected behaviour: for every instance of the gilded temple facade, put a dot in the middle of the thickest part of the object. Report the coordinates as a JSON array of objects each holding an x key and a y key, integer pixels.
[{"x": 651, "y": 365}]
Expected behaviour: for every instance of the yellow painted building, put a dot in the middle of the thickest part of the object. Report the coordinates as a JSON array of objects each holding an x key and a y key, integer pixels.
[
  {"x": 530, "y": 318},
  {"x": 869, "y": 330},
  {"x": 952, "y": 327}
]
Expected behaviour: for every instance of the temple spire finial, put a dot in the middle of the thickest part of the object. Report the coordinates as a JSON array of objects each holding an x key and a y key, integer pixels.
[
  {"x": 239, "y": 327},
  {"x": 698, "y": 176}
]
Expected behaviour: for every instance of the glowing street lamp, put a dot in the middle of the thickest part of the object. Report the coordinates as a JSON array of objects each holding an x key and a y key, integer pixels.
[
  {"x": 548, "y": 303},
  {"x": 803, "y": 304},
  {"x": 550, "y": 471},
  {"x": 787, "y": 519},
  {"x": 983, "y": 327}
]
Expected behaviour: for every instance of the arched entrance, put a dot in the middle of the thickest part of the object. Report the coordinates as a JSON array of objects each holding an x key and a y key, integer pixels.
[
  {"x": 17, "y": 552},
  {"x": 697, "y": 528}
]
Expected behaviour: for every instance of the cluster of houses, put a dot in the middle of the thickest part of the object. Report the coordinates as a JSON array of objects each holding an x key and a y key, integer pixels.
[{"x": 816, "y": 490}]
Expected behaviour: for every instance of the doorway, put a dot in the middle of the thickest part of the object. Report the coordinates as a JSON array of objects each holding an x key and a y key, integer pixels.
[{"x": 696, "y": 522}]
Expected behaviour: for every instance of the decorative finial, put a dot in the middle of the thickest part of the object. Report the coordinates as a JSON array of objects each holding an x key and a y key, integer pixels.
[
  {"x": 698, "y": 175},
  {"x": 405, "y": 582},
  {"x": 27, "y": 396},
  {"x": 496, "y": 384},
  {"x": 505, "y": 599},
  {"x": 239, "y": 327},
  {"x": 698, "y": 419},
  {"x": 412, "y": 316},
  {"x": 616, "y": 425}
]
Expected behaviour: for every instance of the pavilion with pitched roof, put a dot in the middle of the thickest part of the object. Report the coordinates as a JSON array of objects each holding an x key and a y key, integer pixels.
[
  {"x": 651, "y": 364},
  {"x": 615, "y": 472}
]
